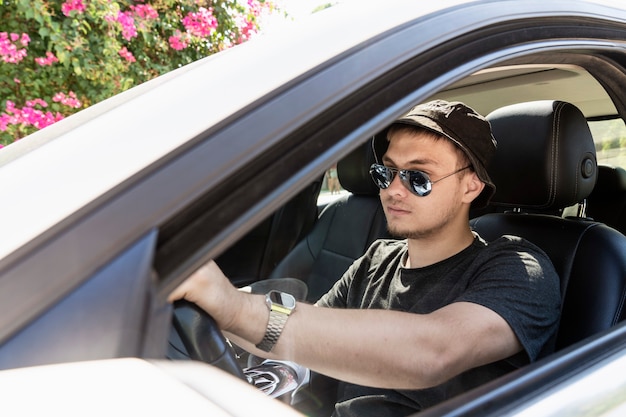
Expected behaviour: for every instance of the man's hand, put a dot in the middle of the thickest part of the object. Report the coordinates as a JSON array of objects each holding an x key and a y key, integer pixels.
[{"x": 209, "y": 288}]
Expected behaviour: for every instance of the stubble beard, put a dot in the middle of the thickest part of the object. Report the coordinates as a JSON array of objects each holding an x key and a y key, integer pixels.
[{"x": 422, "y": 231}]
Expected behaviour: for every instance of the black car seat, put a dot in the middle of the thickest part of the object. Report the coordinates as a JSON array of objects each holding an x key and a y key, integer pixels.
[
  {"x": 607, "y": 201},
  {"x": 545, "y": 162},
  {"x": 266, "y": 244},
  {"x": 344, "y": 230}
]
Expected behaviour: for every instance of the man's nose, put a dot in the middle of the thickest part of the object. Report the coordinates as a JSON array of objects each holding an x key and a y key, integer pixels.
[{"x": 397, "y": 187}]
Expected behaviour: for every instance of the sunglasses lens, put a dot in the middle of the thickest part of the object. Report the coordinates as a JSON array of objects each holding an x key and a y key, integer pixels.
[
  {"x": 381, "y": 175},
  {"x": 415, "y": 181},
  {"x": 420, "y": 183}
]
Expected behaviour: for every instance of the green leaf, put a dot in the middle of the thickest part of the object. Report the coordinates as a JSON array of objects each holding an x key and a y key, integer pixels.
[
  {"x": 76, "y": 65},
  {"x": 62, "y": 55},
  {"x": 85, "y": 27}
]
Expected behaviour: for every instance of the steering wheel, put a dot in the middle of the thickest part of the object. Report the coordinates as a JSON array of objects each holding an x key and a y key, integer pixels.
[{"x": 202, "y": 339}]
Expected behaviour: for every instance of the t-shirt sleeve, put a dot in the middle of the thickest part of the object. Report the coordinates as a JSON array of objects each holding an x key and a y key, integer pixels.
[{"x": 519, "y": 283}]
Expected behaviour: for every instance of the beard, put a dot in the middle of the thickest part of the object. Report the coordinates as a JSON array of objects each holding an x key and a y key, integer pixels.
[{"x": 429, "y": 226}]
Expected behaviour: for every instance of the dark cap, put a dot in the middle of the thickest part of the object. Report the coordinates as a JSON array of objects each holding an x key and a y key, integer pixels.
[{"x": 466, "y": 129}]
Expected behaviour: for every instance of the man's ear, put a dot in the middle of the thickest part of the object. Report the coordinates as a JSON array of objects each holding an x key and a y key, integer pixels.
[{"x": 474, "y": 186}]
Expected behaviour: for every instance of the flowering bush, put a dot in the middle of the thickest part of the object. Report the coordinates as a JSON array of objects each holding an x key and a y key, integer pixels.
[{"x": 57, "y": 57}]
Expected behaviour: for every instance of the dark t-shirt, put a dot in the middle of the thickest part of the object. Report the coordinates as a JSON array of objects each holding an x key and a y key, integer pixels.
[{"x": 510, "y": 276}]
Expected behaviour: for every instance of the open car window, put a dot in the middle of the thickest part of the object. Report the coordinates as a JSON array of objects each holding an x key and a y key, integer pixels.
[{"x": 610, "y": 139}]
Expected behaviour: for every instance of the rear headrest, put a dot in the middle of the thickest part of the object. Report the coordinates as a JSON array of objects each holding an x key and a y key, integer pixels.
[
  {"x": 546, "y": 158},
  {"x": 353, "y": 171},
  {"x": 611, "y": 183}
]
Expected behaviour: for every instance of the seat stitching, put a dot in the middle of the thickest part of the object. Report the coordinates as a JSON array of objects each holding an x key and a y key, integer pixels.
[{"x": 555, "y": 150}]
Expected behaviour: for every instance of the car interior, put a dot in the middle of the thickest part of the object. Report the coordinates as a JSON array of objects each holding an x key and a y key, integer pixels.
[
  {"x": 92, "y": 251},
  {"x": 485, "y": 91},
  {"x": 545, "y": 162},
  {"x": 551, "y": 190}
]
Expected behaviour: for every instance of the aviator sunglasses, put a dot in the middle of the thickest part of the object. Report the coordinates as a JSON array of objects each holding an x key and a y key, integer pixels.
[{"x": 417, "y": 182}]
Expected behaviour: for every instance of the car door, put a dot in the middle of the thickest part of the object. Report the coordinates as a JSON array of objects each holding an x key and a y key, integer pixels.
[{"x": 92, "y": 283}]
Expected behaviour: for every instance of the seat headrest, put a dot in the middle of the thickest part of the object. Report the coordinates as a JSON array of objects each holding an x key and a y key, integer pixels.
[
  {"x": 353, "y": 171},
  {"x": 546, "y": 158},
  {"x": 611, "y": 183}
]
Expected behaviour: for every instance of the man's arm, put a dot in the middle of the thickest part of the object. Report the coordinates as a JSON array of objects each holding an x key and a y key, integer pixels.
[{"x": 379, "y": 348}]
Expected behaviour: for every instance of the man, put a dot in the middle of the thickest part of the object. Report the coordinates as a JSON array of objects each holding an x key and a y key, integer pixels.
[{"x": 418, "y": 320}]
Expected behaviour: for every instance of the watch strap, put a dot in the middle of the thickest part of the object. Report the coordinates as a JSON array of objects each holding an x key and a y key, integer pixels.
[{"x": 275, "y": 326}]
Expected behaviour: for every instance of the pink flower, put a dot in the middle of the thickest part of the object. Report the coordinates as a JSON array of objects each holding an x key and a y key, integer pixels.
[
  {"x": 145, "y": 11},
  {"x": 48, "y": 60},
  {"x": 247, "y": 22},
  {"x": 177, "y": 42},
  {"x": 247, "y": 28},
  {"x": 69, "y": 100},
  {"x": 129, "y": 30},
  {"x": 255, "y": 7},
  {"x": 126, "y": 54},
  {"x": 28, "y": 115},
  {"x": 5, "y": 120},
  {"x": 9, "y": 51},
  {"x": 201, "y": 23},
  {"x": 72, "y": 6},
  {"x": 10, "y": 106},
  {"x": 36, "y": 102}
]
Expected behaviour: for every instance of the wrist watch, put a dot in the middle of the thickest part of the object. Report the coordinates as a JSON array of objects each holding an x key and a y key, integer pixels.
[{"x": 281, "y": 305}]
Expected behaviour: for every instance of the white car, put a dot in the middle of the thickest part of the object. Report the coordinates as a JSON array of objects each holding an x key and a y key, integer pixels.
[{"x": 107, "y": 211}]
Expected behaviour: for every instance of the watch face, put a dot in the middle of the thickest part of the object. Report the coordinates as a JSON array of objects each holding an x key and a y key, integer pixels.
[{"x": 282, "y": 298}]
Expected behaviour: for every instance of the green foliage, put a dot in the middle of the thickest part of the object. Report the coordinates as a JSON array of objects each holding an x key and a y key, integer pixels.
[
  {"x": 322, "y": 7},
  {"x": 57, "y": 57}
]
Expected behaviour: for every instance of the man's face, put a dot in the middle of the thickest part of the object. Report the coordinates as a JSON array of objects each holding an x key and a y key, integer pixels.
[{"x": 412, "y": 216}]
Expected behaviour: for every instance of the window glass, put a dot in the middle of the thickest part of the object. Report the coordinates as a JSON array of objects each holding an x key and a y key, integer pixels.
[
  {"x": 610, "y": 139},
  {"x": 331, "y": 188}
]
